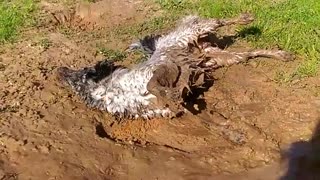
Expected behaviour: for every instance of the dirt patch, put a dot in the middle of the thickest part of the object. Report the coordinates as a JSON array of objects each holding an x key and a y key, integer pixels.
[
  {"x": 248, "y": 119},
  {"x": 102, "y": 14},
  {"x": 48, "y": 133}
]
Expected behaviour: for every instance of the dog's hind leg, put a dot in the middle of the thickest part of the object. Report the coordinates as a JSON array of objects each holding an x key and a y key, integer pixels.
[
  {"x": 207, "y": 25},
  {"x": 191, "y": 28},
  {"x": 218, "y": 58}
]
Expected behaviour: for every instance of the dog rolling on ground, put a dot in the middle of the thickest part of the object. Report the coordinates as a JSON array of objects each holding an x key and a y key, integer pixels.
[{"x": 155, "y": 88}]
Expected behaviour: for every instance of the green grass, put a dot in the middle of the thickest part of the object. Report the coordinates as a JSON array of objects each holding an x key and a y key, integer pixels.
[
  {"x": 112, "y": 54},
  {"x": 150, "y": 26},
  {"x": 140, "y": 57},
  {"x": 13, "y": 16},
  {"x": 282, "y": 77},
  {"x": 290, "y": 24},
  {"x": 45, "y": 43},
  {"x": 175, "y": 5}
]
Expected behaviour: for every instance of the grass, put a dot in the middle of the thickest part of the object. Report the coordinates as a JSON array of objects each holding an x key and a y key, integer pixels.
[
  {"x": 112, "y": 54},
  {"x": 45, "y": 43},
  {"x": 150, "y": 26},
  {"x": 139, "y": 57},
  {"x": 282, "y": 77},
  {"x": 291, "y": 25},
  {"x": 175, "y": 5},
  {"x": 13, "y": 16}
]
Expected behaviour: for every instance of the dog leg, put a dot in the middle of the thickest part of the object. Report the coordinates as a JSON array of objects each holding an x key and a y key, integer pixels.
[{"x": 219, "y": 58}]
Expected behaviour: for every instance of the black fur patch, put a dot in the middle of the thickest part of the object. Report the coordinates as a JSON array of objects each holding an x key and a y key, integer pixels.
[{"x": 148, "y": 43}]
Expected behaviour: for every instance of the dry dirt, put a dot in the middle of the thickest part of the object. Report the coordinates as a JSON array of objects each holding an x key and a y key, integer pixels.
[{"x": 244, "y": 127}]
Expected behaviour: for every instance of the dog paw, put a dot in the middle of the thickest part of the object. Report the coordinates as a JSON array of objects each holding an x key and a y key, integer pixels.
[
  {"x": 285, "y": 56},
  {"x": 246, "y": 18}
]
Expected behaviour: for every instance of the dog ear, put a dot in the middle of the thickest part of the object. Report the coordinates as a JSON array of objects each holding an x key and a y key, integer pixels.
[
  {"x": 101, "y": 70},
  {"x": 147, "y": 44}
]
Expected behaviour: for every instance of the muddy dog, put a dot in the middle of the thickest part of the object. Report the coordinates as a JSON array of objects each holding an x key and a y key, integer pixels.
[{"x": 176, "y": 62}]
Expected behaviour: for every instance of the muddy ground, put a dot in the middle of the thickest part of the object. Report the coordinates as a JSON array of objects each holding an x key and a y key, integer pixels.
[{"x": 48, "y": 133}]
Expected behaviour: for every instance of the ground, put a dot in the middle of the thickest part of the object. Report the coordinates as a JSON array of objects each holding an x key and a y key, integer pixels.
[{"x": 247, "y": 122}]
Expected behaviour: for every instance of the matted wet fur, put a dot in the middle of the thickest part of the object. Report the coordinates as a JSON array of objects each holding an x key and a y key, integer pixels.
[{"x": 177, "y": 64}]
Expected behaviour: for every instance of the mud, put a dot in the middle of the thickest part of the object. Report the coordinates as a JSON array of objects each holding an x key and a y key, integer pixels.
[
  {"x": 240, "y": 131},
  {"x": 90, "y": 16},
  {"x": 171, "y": 82}
]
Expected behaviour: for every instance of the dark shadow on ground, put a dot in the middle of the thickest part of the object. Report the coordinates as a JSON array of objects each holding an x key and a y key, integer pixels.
[
  {"x": 227, "y": 40},
  {"x": 249, "y": 31},
  {"x": 304, "y": 158},
  {"x": 195, "y": 97}
]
